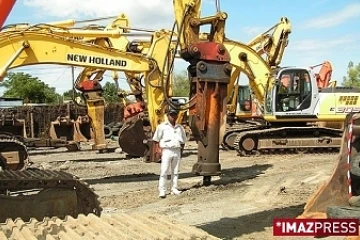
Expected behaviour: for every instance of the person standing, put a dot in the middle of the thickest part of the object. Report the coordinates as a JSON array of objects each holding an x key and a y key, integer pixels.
[{"x": 170, "y": 139}]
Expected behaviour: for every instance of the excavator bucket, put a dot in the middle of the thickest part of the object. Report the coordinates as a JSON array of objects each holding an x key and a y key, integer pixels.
[
  {"x": 70, "y": 130},
  {"x": 82, "y": 129},
  {"x": 339, "y": 197},
  {"x": 62, "y": 128},
  {"x": 132, "y": 137}
]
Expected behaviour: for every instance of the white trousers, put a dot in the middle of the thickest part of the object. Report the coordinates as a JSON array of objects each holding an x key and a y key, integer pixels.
[{"x": 169, "y": 157}]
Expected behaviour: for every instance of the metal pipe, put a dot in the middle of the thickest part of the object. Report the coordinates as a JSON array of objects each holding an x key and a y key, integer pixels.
[
  {"x": 87, "y": 33},
  {"x": 64, "y": 23}
]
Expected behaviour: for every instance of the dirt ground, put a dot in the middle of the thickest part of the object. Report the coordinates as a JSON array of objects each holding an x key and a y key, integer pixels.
[{"x": 240, "y": 204}]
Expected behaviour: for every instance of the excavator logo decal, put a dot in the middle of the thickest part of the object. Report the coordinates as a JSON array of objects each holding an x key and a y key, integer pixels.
[
  {"x": 345, "y": 101},
  {"x": 95, "y": 60},
  {"x": 344, "y": 109},
  {"x": 348, "y": 100}
]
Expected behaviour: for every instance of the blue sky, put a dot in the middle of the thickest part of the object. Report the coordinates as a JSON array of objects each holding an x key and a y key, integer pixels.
[{"x": 321, "y": 30}]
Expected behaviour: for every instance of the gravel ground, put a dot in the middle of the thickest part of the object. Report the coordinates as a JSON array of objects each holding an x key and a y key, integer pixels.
[{"x": 240, "y": 204}]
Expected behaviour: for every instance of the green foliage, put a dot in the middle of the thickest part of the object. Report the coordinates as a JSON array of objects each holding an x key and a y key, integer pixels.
[
  {"x": 353, "y": 76},
  {"x": 110, "y": 92},
  {"x": 31, "y": 89},
  {"x": 68, "y": 95},
  {"x": 181, "y": 86}
]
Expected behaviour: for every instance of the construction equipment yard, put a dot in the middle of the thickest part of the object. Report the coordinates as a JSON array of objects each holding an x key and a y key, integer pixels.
[
  {"x": 278, "y": 156},
  {"x": 261, "y": 188}
]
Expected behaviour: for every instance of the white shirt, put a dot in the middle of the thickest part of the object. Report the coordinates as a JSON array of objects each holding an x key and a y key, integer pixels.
[{"x": 170, "y": 136}]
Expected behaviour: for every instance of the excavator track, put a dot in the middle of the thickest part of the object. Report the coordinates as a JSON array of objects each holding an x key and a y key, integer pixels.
[
  {"x": 35, "y": 193},
  {"x": 114, "y": 226},
  {"x": 285, "y": 140},
  {"x": 13, "y": 153},
  {"x": 233, "y": 130}
]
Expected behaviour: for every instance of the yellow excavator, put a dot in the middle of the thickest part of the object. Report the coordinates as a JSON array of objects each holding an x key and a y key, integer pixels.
[
  {"x": 152, "y": 65},
  {"x": 253, "y": 117},
  {"x": 272, "y": 44},
  {"x": 292, "y": 101},
  {"x": 38, "y": 45},
  {"x": 51, "y": 44}
]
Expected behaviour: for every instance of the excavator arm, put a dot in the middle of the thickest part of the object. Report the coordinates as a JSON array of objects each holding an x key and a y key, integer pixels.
[
  {"x": 209, "y": 70},
  {"x": 323, "y": 77},
  {"x": 272, "y": 43},
  {"x": 245, "y": 59},
  {"x": 45, "y": 47},
  {"x": 139, "y": 124}
]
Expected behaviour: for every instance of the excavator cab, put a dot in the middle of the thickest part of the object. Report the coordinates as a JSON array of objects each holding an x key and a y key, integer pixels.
[
  {"x": 244, "y": 100},
  {"x": 293, "y": 93}
]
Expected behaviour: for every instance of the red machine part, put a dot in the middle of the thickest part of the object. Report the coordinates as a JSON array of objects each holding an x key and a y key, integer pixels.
[
  {"x": 324, "y": 75},
  {"x": 210, "y": 73},
  {"x": 5, "y": 9},
  {"x": 210, "y": 51},
  {"x": 133, "y": 109},
  {"x": 90, "y": 85}
]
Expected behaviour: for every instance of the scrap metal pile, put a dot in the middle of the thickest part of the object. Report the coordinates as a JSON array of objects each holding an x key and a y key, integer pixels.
[{"x": 54, "y": 121}]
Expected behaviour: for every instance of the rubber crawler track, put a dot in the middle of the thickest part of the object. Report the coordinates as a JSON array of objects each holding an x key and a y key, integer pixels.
[{"x": 115, "y": 227}]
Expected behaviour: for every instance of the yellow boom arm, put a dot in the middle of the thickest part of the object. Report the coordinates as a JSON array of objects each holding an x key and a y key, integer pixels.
[
  {"x": 247, "y": 60},
  {"x": 271, "y": 44},
  {"x": 21, "y": 48}
]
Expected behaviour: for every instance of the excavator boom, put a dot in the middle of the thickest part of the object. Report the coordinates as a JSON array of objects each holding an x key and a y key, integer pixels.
[
  {"x": 96, "y": 55},
  {"x": 323, "y": 77}
]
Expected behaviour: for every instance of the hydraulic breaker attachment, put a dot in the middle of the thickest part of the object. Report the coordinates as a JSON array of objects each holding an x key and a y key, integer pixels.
[
  {"x": 210, "y": 74},
  {"x": 340, "y": 196}
]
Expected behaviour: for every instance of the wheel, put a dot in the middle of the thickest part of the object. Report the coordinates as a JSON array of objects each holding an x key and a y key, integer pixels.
[{"x": 248, "y": 144}]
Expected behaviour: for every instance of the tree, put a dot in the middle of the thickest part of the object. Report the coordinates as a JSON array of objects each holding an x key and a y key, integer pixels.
[
  {"x": 110, "y": 92},
  {"x": 181, "y": 85},
  {"x": 353, "y": 76},
  {"x": 68, "y": 95},
  {"x": 31, "y": 89}
]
